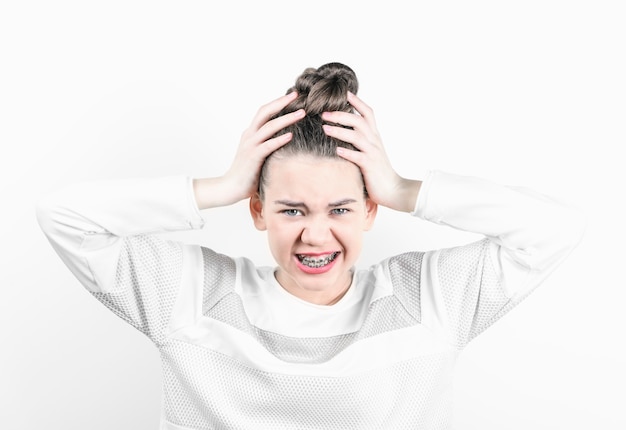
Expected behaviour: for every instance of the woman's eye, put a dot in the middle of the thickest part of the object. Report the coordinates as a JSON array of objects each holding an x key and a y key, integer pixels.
[
  {"x": 340, "y": 211},
  {"x": 292, "y": 212}
]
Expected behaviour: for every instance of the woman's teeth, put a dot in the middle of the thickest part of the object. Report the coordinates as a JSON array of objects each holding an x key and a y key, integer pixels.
[{"x": 317, "y": 262}]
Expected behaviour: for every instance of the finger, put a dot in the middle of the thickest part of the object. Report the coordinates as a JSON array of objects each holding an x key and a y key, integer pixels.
[
  {"x": 364, "y": 122},
  {"x": 364, "y": 110},
  {"x": 360, "y": 106},
  {"x": 266, "y": 111},
  {"x": 344, "y": 134},
  {"x": 273, "y": 144},
  {"x": 271, "y": 127},
  {"x": 354, "y": 156},
  {"x": 255, "y": 136},
  {"x": 344, "y": 118}
]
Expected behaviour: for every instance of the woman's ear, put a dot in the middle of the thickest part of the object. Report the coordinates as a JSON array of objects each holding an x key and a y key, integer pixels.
[
  {"x": 371, "y": 209},
  {"x": 256, "y": 211}
]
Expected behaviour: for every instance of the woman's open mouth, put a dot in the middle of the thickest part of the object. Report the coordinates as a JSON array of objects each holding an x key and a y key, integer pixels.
[
  {"x": 316, "y": 264},
  {"x": 318, "y": 261}
]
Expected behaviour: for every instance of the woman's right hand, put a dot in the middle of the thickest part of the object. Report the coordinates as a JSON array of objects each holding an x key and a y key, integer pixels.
[{"x": 241, "y": 179}]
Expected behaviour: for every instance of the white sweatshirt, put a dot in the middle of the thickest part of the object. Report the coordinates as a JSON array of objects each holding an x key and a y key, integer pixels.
[{"x": 239, "y": 352}]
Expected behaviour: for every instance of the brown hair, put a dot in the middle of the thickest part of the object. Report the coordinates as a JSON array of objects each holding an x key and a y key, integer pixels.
[{"x": 324, "y": 89}]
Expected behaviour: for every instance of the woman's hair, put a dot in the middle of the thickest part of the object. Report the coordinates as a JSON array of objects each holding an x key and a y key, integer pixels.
[{"x": 324, "y": 89}]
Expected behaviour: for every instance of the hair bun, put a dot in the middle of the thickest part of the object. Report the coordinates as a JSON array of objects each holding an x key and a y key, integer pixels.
[
  {"x": 340, "y": 71},
  {"x": 324, "y": 89},
  {"x": 319, "y": 90}
]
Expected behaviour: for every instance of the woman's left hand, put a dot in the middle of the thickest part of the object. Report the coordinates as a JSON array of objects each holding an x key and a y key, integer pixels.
[{"x": 384, "y": 185}]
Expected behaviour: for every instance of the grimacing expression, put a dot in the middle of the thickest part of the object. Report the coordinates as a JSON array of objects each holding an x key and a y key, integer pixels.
[{"x": 315, "y": 212}]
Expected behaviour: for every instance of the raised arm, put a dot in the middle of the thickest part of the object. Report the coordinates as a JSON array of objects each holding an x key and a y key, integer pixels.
[
  {"x": 464, "y": 289},
  {"x": 241, "y": 179},
  {"x": 383, "y": 184},
  {"x": 104, "y": 231},
  {"x": 85, "y": 221},
  {"x": 533, "y": 229}
]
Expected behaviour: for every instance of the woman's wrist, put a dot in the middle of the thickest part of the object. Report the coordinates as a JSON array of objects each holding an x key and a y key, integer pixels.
[
  {"x": 406, "y": 196},
  {"x": 213, "y": 192}
]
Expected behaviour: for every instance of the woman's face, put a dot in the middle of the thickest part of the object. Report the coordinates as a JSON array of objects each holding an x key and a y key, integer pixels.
[{"x": 315, "y": 212}]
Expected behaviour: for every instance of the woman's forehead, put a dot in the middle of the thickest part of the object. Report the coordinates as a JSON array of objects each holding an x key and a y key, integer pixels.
[{"x": 307, "y": 175}]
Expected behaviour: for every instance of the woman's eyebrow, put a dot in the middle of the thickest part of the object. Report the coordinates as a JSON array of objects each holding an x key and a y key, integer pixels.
[
  {"x": 341, "y": 202},
  {"x": 290, "y": 203},
  {"x": 293, "y": 204}
]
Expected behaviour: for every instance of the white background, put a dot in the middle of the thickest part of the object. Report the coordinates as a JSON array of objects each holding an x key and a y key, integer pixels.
[{"x": 526, "y": 93}]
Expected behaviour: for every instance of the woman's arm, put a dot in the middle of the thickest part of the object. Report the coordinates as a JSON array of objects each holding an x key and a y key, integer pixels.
[
  {"x": 85, "y": 223},
  {"x": 384, "y": 186},
  {"x": 463, "y": 290},
  {"x": 86, "y": 220},
  {"x": 241, "y": 179},
  {"x": 105, "y": 231},
  {"x": 532, "y": 228}
]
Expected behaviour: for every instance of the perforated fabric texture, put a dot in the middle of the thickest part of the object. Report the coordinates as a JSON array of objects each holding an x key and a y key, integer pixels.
[
  {"x": 405, "y": 272},
  {"x": 205, "y": 388},
  {"x": 146, "y": 284},
  {"x": 219, "y": 278},
  {"x": 471, "y": 289},
  {"x": 385, "y": 315},
  {"x": 238, "y": 352}
]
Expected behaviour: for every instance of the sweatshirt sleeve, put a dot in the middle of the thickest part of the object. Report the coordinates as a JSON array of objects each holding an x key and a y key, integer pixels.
[
  {"x": 464, "y": 289},
  {"x": 103, "y": 232}
]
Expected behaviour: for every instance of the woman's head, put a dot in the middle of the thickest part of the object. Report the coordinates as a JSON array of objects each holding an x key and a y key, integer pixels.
[
  {"x": 312, "y": 202},
  {"x": 319, "y": 90}
]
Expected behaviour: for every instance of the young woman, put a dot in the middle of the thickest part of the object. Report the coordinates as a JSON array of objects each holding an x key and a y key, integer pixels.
[{"x": 311, "y": 343}]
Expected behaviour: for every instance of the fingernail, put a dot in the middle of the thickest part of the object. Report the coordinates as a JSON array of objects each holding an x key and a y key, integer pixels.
[{"x": 300, "y": 113}]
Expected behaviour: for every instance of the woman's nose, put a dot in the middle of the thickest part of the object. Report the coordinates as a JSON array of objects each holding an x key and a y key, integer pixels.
[{"x": 316, "y": 232}]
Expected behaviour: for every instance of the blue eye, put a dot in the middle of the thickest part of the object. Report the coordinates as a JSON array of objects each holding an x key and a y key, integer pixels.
[
  {"x": 340, "y": 211},
  {"x": 292, "y": 212}
]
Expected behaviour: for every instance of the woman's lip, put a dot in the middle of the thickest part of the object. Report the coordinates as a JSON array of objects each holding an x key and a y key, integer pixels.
[
  {"x": 316, "y": 254},
  {"x": 315, "y": 270}
]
